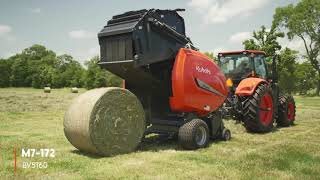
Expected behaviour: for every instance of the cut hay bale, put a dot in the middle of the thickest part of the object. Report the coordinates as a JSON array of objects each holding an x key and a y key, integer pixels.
[
  {"x": 74, "y": 90},
  {"x": 105, "y": 121},
  {"x": 47, "y": 90}
]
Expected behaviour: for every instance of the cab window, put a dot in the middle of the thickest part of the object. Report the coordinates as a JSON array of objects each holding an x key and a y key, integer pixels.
[{"x": 260, "y": 67}]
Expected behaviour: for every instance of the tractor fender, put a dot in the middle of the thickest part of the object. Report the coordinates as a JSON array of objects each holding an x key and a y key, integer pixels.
[{"x": 247, "y": 86}]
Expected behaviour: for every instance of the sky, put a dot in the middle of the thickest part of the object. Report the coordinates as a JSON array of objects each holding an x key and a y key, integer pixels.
[{"x": 71, "y": 27}]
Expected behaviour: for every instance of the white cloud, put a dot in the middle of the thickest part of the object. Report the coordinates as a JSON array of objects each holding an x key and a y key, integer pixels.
[
  {"x": 295, "y": 44},
  {"x": 81, "y": 34},
  {"x": 8, "y": 54},
  {"x": 199, "y": 4},
  {"x": 219, "y": 11},
  {"x": 239, "y": 37},
  {"x": 36, "y": 10},
  {"x": 4, "y": 29},
  {"x": 94, "y": 51}
]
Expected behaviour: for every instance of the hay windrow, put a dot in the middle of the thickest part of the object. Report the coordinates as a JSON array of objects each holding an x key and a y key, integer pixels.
[{"x": 105, "y": 121}]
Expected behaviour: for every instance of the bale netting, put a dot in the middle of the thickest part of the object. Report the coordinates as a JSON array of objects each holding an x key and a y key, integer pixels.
[
  {"x": 74, "y": 90},
  {"x": 47, "y": 90},
  {"x": 105, "y": 121}
]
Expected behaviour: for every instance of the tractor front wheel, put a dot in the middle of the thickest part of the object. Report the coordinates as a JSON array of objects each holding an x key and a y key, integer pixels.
[
  {"x": 194, "y": 134},
  {"x": 286, "y": 111},
  {"x": 258, "y": 110}
]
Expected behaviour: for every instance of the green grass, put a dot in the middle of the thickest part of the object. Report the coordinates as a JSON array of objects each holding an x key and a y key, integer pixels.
[{"x": 31, "y": 119}]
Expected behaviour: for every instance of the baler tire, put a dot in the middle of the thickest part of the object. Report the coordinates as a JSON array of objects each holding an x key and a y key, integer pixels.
[
  {"x": 286, "y": 111},
  {"x": 188, "y": 134},
  {"x": 252, "y": 119},
  {"x": 226, "y": 134}
]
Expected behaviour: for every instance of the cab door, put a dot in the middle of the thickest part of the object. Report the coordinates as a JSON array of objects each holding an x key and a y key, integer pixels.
[{"x": 260, "y": 66}]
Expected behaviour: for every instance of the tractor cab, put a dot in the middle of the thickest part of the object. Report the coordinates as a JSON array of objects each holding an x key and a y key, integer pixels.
[{"x": 239, "y": 65}]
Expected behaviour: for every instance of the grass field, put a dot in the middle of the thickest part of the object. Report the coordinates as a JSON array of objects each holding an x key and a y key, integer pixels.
[{"x": 31, "y": 119}]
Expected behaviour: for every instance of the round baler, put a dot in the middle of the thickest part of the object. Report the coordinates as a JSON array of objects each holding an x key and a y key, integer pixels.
[{"x": 171, "y": 88}]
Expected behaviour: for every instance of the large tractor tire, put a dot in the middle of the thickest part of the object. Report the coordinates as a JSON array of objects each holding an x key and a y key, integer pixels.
[
  {"x": 258, "y": 110},
  {"x": 105, "y": 121},
  {"x": 286, "y": 111},
  {"x": 194, "y": 134}
]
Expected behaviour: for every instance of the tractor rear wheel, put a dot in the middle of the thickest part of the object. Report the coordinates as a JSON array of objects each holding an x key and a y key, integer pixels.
[
  {"x": 194, "y": 134},
  {"x": 258, "y": 110},
  {"x": 286, "y": 111}
]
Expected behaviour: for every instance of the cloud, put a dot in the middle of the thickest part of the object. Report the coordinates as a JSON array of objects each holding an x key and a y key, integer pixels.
[
  {"x": 200, "y": 4},
  {"x": 239, "y": 37},
  {"x": 81, "y": 34},
  {"x": 94, "y": 51},
  {"x": 5, "y": 29},
  {"x": 295, "y": 44},
  {"x": 217, "y": 50},
  {"x": 219, "y": 11},
  {"x": 36, "y": 10},
  {"x": 83, "y": 54},
  {"x": 8, "y": 54}
]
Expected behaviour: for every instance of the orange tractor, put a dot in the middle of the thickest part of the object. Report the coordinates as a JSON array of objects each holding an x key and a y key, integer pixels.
[{"x": 255, "y": 98}]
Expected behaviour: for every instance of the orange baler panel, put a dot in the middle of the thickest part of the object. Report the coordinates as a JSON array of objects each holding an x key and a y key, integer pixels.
[{"x": 198, "y": 84}]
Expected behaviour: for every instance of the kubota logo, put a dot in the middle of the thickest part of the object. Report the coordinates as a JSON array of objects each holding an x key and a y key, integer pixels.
[{"x": 203, "y": 70}]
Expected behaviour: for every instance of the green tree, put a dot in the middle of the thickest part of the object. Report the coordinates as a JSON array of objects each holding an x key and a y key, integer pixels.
[
  {"x": 29, "y": 68},
  {"x": 97, "y": 77},
  {"x": 43, "y": 77},
  {"x": 306, "y": 80},
  {"x": 37, "y": 66},
  {"x": 19, "y": 72},
  {"x": 5, "y": 72},
  {"x": 264, "y": 40},
  {"x": 303, "y": 21},
  {"x": 209, "y": 54},
  {"x": 286, "y": 69},
  {"x": 70, "y": 72},
  {"x": 267, "y": 41}
]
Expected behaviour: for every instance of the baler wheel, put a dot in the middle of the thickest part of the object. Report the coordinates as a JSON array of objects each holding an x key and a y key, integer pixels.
[
  {"x": 226, "y": 134},
  {"x": 286, "y": 111},
  {"x": 258, "y": 111},
  {"x": 194, "y": 134}
]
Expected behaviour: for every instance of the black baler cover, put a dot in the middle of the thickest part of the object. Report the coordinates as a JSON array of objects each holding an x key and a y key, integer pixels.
[
  {"x": 135, "y": 39},
  {"x": 146, "y": 36}
]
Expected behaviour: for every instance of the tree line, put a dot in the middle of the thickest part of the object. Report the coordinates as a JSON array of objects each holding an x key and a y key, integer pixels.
[
  {"x": 39, "y": 67},
  {"x": 301, "y": 21}
]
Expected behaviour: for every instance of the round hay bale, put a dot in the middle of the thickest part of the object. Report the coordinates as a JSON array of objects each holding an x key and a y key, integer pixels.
[
  {"x": 74, "y": 90},
  {"x": 105, "y": 121},
  {"x": 47, "y": 90}
]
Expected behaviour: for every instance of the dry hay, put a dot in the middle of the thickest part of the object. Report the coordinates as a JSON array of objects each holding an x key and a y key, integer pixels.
[
  {"x": 74, "y": 90},
  {"x": 47, "y": 90},
  {"x": 105, "y": 121}
]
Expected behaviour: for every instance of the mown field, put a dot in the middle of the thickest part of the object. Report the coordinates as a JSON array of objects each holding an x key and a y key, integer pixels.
[{"x": 31, "y": 119}]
